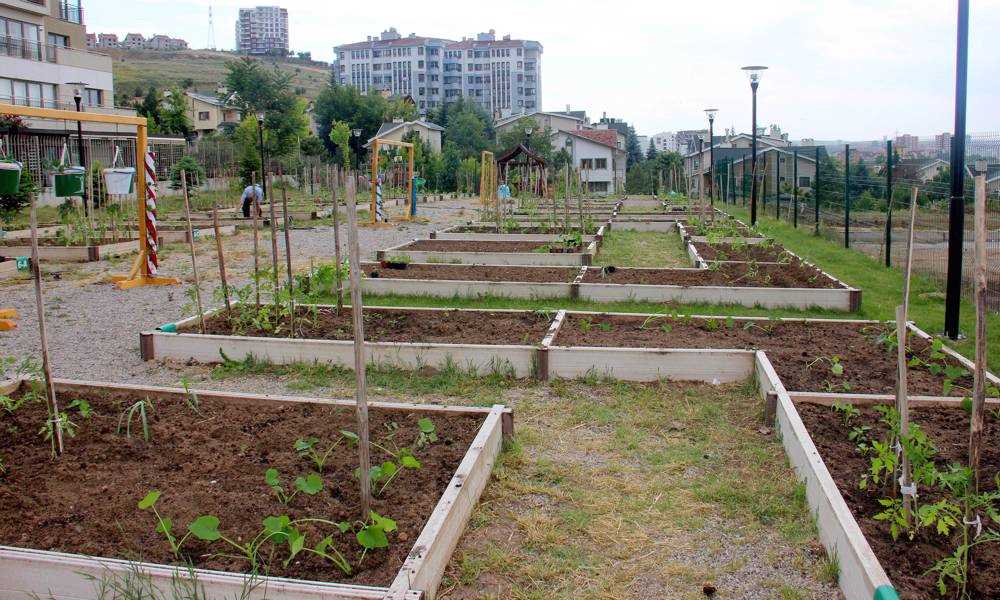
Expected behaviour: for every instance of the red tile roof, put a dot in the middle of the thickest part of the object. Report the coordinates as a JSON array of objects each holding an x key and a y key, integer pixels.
[{"x": 608, "y": 137}]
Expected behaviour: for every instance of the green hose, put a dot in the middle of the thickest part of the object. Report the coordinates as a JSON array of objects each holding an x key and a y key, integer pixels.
[{"x": 885, "y": 592}]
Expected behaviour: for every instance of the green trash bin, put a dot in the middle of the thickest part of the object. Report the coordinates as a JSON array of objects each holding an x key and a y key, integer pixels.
[
  {"x": 10, "y": 176},
  {"x": 69, "y": 182}
]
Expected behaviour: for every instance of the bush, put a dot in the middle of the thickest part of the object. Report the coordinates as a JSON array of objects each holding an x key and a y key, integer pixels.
[
  {"x": 12, "y": 204},
  {"x": 192, "y": 170}
]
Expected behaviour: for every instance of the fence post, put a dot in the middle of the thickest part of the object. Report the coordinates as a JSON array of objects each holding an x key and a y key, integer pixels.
[
  {"x": 816, "y": 193},
  {"x": 888, "y": 203},
  {"x": 847, "y": 195},
  {"x": 795, "y": 188}
]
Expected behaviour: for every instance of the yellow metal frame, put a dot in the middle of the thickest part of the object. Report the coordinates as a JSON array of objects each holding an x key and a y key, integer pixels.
[
  {"x": 139, "y": 275},
  {"x": 409, "y": 180}
]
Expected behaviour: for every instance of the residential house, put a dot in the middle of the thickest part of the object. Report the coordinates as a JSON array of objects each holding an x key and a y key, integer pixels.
[
  {"x": 552, "y": 121},
  {"x": 775, "y": 162},
  {"x": 430, "y": 133},
  {"x": 208, "y": 114},
  {"x": 134, "y": 41},
  {"x": 598, "y": 155},
  {"x": 107, "y": 40},
  {"x": 918, "y": 169},
  {"x": 165, "y": 43}
]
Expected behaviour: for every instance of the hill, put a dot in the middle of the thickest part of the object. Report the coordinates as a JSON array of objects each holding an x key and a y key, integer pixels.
[{"x": 137, "y": 70}]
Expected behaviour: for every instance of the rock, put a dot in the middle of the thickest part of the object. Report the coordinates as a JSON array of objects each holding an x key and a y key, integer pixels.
[
  {"x": 764, "y": 431},
  {"x": 708, "y": 588}
]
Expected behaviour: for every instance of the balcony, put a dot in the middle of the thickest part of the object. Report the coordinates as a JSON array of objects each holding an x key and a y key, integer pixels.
[
  {"x": 70, "y": 12},
  {"x": 26, "y": 49}
]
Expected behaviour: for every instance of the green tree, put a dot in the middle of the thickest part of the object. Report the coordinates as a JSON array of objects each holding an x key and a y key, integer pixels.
[
  {"x": 340, "y": 136},
  {"x": 256, "y": 89},
  {"x": 651, "y": 152},
  {"x": 632, "y": 149},
  {"x": 540, "y": 140},
  {"x": 173, "y": 117}
]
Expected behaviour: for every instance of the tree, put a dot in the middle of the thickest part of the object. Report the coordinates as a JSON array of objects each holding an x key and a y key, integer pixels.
[
  {"x": 651, "y": 152},
  {"x": 340, "y": 136},
  {"x": 173, "y": 117},
  {"x": 311, "y": 145},
  {"x": 256, "y": 89},
  {"x": 540, "y": 140},
  {"x": 634, "y": 152},
  {"x": 150, "y": 108}
]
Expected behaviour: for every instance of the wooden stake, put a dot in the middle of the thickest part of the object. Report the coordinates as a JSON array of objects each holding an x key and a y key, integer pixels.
[
  {"x": 909, "y": 250},
  {"x": 50, "y": 390},
  {"x": 979, "y": 378},
  {"x": 274, "y": 245},
  {"x": 361, "y": 390},
  {"x": 336, "y": 250},
  {"x": 579, "y": 199},
  {"x": 255, "y": 210},
  {"x": 566, "y": 204},
  {"x": 288, "y": 258},
  {"x": 194, "y": 261},
  {"x": 902, "y": 399},
  {"x": 222, "y": 259}
]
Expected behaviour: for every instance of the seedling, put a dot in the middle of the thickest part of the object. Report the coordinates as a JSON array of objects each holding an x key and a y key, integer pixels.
[
  {"x": 67, "y": 427},
  {"x": 310, "y": 485},
  {"x": 82, "y": 406},
  {"x": 201, "y": 528},
  {"x": 308, "y": 448},
  {"x": 848, "y": 412},
  {"x": 428, "y": 433},
  {"x": 139, "y": 411},
  {"x": 585, "y": 325},
  {"x": 836, "y": 367},
  {"x": 605, "y": 327},
  {"x": 192, "y": 397}
]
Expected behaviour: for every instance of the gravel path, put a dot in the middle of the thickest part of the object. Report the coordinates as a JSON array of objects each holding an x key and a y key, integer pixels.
[{"x": 93, "y": 328}]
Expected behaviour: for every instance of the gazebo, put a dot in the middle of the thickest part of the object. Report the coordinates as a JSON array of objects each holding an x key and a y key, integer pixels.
[{"x": 530, "y": 167}]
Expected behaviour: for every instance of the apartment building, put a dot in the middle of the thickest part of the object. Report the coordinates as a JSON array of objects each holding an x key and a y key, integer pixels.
[
  {"x": 502, "y": 75},
  {"x": 135, "y": 41},
  {"x": 262, "y": 30}
]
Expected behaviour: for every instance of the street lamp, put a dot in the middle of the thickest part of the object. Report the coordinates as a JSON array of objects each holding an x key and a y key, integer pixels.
[
  {"x": 356, "y": 134},
  {"x": 754, "y": 71},
  {"x": 711, "y": 112},
  {"x": 78, "y": 89},
  {"x": 527, "y": 137},
  {"x": 260, "y": 142}
]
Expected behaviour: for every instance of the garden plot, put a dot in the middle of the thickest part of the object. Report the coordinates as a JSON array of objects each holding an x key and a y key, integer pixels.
[
  {"x": 568, "y": 251},
  {"x": 227, "y": 221},
  {"x": 483, "y": 341},
  {"x": 59, "y": 249},
  {"x": 174, "y": 234},
  {"x": 763, "y": 252},
  {"x": 486, "y": 231},
  {"x": 469, "y": 281},
  {"x": 242, "y": 500}
]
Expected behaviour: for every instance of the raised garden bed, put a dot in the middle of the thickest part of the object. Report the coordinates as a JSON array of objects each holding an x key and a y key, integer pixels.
[
  {"x": 207, "y": 453},
  {"x": 174, "y": 234},
  {"x": 470, "y": 281},
  {"x": 490, "y": 252},
  {"x": 488, "y": 231},
  {"x": 55, "y": 249},
  {"x": 485, "y": 341},
  {"x": 756, "y": 252}
]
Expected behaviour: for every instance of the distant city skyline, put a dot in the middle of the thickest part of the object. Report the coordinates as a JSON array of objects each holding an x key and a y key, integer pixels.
[{"x": 839, "y": 69}]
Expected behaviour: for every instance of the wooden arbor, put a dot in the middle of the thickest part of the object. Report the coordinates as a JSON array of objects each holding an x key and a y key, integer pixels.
[
  {"x": 530, "y": 167},
  {"x": 142, "y": 272},
  {"x": 377, "y": 209}
]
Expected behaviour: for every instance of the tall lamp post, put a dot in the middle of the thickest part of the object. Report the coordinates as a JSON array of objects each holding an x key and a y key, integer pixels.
[
  {"x": 263, "y": 162},
  {"x": 356, "y": 134},
  {"x": 78, "y": 87},
  {"x": 711, "y": 112},
  {"x": 754, "y": 71},
  {"x": 956, "y": 207}
]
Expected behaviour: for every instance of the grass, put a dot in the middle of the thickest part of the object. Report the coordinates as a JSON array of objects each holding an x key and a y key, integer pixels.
[
  {"x": 882, "y": 287},
  {"x": 630, "y": 248}
]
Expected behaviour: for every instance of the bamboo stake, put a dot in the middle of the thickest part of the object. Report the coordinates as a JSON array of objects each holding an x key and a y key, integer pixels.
[
  {"x": 274, "y": 245},
  {"x": 336, "y": 250},
  {"x": 566, "y": 204},
  {"x": 255, "y": 210},
  {"x": 222, "y": 259},
  {"x": 979, "y": 379},
  {"x": 288, "y": 259},
  {"x": 361, "y": 390},
  {"x": 579, "y": 199},
  {"x": 50, "y": 391},
  {"x": 902, "y": 399},
  {"x": 194, "y": 261}
]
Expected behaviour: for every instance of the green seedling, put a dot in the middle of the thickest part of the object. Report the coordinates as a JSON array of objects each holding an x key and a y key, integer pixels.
[
  {"x": 309, "y": 448},
  {"x": 204, "y": 528},
  {"x": 310, "y": 485},
  {"x": 836, "y": 367},
  {"x": 848, "y": 412},
  {"x": 67, "y": 427},
  {"x": 605, "y": 327},
  {"x": 428, "y": 433},
  {"x": 140, "y": 411},
  {"x": 82, "y": 406},
  {"x": 191, "y": 399},
  {"x": 586, "y": 324}
]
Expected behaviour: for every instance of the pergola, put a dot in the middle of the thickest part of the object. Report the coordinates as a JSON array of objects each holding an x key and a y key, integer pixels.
[{"x": 530, "y": 165}]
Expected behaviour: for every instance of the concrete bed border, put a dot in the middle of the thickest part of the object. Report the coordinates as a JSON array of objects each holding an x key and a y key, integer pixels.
[
  {"x": 62, "y": 575},
  {"x": 451, "y": 234},
  {"x": 466, "y": 288},
  {"x": 549, "y": 259},
  {"x": 73, "y": 253},
  {"x": 8, "y": 269}
]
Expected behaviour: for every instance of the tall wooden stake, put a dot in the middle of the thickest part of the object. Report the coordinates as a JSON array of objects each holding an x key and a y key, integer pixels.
[
  {"x": 979, "y": 379},
  {"x": 50, "y": 390},
  {"x": 288, "y": 259},
  {"x": 336, "y": 251},
  {"x": 579, "y": 199},
  {"x": 256, "y": 238},
  {"x": 361, "y": 390},
  {"x": 902, "y": 398},
  {"x": 274, "y": 244},
  {"x": 566, "y": 204},
  {"x": 222, "y": 259},
  {"x": 194, "y": 260}
]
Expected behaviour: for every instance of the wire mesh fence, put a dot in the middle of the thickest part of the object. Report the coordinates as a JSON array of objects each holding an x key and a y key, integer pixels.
[{"x": 859, "y": 201}]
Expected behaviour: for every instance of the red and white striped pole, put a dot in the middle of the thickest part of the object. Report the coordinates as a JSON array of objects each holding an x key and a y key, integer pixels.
[{"x": 152, "y": 262}]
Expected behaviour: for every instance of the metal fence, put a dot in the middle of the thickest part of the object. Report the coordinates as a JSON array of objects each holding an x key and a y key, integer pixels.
[{"x": 859, "y": 201}]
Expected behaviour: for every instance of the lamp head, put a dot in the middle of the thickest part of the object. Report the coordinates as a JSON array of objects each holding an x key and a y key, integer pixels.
[
  {"x": 711, "y": 112},
  {"x": 356, "y": 132},
  {"x": 528, "y": 131},
  {"x": 755, "y": 71},
  {"x": 78, "y": 87},
  {"x": 260, "y": 116}
]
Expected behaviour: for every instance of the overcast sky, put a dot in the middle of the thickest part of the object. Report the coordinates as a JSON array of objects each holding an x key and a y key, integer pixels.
[{"x": 839, "y": 69}]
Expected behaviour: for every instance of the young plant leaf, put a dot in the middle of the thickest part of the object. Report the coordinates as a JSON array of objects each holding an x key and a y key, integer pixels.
[
  {"x": 408, "y": 461},
  {"x": 310, "y": 484},
  {"x": 206, "y": 528},
  {"x": 150, "y": 500}
]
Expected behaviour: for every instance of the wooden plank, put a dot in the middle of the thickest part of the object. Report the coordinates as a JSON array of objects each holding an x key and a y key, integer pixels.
[
  {"x": 441, "y": 288},
  {"x": 651, "y": 364},
  {"x": 424, "y": 566},
  {"x": 73, "y": 253},
  {"x": 830, "y": 398},
  {"x": 8, "y": 268}
]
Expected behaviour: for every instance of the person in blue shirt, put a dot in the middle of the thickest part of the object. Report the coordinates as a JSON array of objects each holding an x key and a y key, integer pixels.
[{"x": 252, "y": 193}]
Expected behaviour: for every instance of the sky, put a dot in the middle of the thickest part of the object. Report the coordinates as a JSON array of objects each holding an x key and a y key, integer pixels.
[{"x": 838, "y": 69}]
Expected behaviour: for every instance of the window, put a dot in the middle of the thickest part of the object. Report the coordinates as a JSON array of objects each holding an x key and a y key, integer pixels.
[
  {"x": 600, "y": 163},
  {"x": 420, "y": 50},
  {"x": 805, "y": 181},
  {"x": 420, "y": 64},
  {"x": 598, "y": 186},
  {"x": 60, "y": 41},
  {"x": 586, "y": 163},
  {"x": 27, "y": 93},
  {"x": 203, "y": 115}
]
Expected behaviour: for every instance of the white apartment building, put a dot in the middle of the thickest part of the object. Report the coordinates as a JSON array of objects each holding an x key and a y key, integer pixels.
[
  {"x": 501, "y": 75},
  {"x": 262, "y": 30},
  {"x": 665, "y": 141}
]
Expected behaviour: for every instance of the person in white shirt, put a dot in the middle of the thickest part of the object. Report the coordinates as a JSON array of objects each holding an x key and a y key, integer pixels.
[{"x": 252, "y": 193}]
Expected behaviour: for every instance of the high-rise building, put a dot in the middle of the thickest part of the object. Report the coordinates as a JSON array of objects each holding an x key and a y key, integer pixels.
[
  {"x": 262, "y": 30},
  {"x": 503, "y": 75}
]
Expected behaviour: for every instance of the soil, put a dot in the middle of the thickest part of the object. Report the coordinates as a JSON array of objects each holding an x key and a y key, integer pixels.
[
  {"x": 474, "y": 273},
  {"x": 54, "y": 242},
  {"x": 523, "y": 229},
  {"x": 212, "y": 463},
  {"x": 474, "y": 246},
  {"x": 799, "y": 351},
  {"x": 742, "y": 252},
  {"x": 907, "y": 562},
  {"x": 727, "y": 274},
  {"x": 392, "y": 325}
]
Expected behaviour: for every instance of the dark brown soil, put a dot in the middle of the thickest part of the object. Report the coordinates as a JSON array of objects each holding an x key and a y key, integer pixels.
[
  {"x": 792, "y": 347},
  {"x": 742, "y": 252},
  {"x": 907, "y": 562},
  {"x": 213, "y": 463},
  {"x": 392, "y": 325},
  {"x": 473, "y": 246},
  {"x": 474, "y": 272},
  {"x": 523, "y": 229},
  {"x": 49, "y": 242},
  {"x": 727, "y": 274}
]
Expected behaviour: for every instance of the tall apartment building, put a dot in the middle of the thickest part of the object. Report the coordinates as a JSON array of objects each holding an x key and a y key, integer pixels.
[
  {"x": 262, "y": 30},
  {"x": 501, "y": 75}
]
